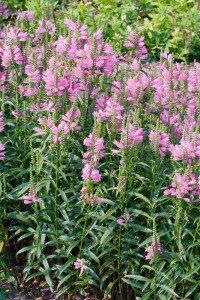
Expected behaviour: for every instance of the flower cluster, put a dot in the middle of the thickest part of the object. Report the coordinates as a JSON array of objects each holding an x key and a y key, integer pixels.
[
  {"x": 161, "y": 140},
  {"x": 150, "y": 250},
  {"x": 3, "y": 10},
  {"x": 136, "y": 42},
  {"x": 185, "y": 186},
  {"x": 129, "y": 137},
  {"x": 91, "y": 157},
  {"x": 31, "y": 197},
  {"x": 125, "y": 217},
  {"x": 79, "y": 264},
  {"x": 88, "y": 196},
  {"x": 188, "y": 150}
]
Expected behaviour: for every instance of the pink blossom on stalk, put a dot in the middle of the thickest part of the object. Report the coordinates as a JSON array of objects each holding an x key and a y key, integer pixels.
[
  {"x": 2, "y": 152},
  {"x": 98, "y": 34},
  {"x": 135, "y": 65},
  {"x": 70, "y": 24},
  {"x": 12, "y": 54},
  {"x": 184, "y": 186},
  {"x": 125, "y": 217},
  {"x": 55, "y": 85},
  {"x": 31, "y": 197},
  {"x": 88, "y": 196},
  {"x": 61, "y": 45},
  {"x": 69, "y": 121},
  {"x": 137, "y": 87},
  {"x": 120, "y": 221},
  {"x": 45, "y": 26},
  {"x": 26, "y": 15},
  {"x": 188, "y": 150},
  {"x": 30, "y": 16},
  {"x": 79, "y": 264},
  {"x": 96, "y": 149},
  {"x": 116, "y": 88},
  {"x": 136, "y": 42},
  {"x": 161, "y": 139},
  {"x": 23, "y": 36},
  {"x": 128, "y": 138},
  {"x": 89, "y": 172},
  {"x": 150, "y": 250},
  {"x": 3, "y": 10},
  {"x": 100, "y": 200}
]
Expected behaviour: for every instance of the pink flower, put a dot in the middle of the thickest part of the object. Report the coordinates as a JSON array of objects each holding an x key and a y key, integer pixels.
[
  {"x": 3, "y": 10},
  {"x": 96, "y": 149},
  {"x": 100, "y": 200},
  {"x": 125, "y": 217},
  {"x": 30, "y": 16},
  {"x": 90, "y": 173},
  {"x": 70, "y": 24},
  {"x": 2, "y": 152},
  {"x": 150, "y": 250},
  {"x": 136, "y": 42},
  {"x": 120, "y": 221},
  {"x": 184, "y": 186},
  {"x": 161, "y": 140},
  {"x": 31, "y": 197},
  {"x": 79, "y": 264},
  {"x": 129, "y": 137}
]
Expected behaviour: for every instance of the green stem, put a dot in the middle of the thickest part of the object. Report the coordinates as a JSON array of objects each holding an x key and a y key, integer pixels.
[
  {"x": 56, "y": 190},
  {"x": 84, "y": 229},
  {"x": 119, "y": 263}
]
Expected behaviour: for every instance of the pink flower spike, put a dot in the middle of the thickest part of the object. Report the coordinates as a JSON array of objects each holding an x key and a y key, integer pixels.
[
  {"x": 79, "y": 264},
  {"x": 120, "y": 221},
  {"x": 31, "y": 197},
  {"x": 2, "y": 152},
  {"x": 149, "y": 251},
  {"x": 100, "y": 200}
]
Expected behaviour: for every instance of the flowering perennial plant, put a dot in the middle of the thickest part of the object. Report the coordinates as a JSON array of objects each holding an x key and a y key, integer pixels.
[{"x": 103, "y": 152}]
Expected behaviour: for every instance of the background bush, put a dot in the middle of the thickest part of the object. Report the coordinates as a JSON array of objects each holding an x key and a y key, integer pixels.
[{"x": 171, "y": 26}]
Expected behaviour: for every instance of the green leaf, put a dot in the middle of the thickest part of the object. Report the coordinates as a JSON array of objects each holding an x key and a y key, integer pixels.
[
  {"x": 2, "y": 294},
  {"x": 188, "y": 275},
  {"x": 137, "y": 277},
  {"x": 107, "y": 234},
  {"x": 169, "y": 290},
  {"x": 142, "y": 197}
]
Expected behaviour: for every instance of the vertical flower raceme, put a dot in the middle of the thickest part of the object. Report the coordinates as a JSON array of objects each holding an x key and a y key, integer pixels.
[
  {"x": 79, "y": 264},
  {"x": 3, "y": 10},
  {"x": 96, "y": 151},
  {"x": 159, "y": 141},
  {"x": 137, "y": 88},
  {"x": 31, "y": 197},
  {"x": 136, "y": 43},
  {"x": 86, "y": 195},
  {"x": 154, "y": 248},
  {"x": 123, "y": 219},
  {"x": 150, "y": 251},
  {"x": 188, "y": 150},
  {"x": 26, "y": 16},
  {"x": 2, "y": 152},
  {"x": 129, "y": 137},
  {"x": 185, "y": 186}
]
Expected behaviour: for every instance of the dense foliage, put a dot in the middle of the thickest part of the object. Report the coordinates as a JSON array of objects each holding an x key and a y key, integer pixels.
[
  {"x": 168, "y": 25},
  {"x": 99, "y": 172}
]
